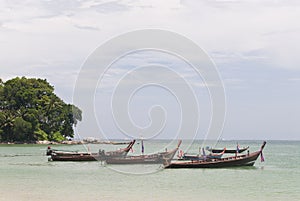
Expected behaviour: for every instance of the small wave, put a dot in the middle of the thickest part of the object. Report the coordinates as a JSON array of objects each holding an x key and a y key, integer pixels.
[
  {"x": 17, "y": 155},
  {"x": 31, "y": 164}
]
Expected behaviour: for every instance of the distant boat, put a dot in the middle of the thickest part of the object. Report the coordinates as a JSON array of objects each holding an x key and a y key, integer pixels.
[
  {"x": 233, "y": 161},
  {"x": 63, "y": 155},
  {"x": 229, "y": 151},
  {"x": 113, "y": 143},
  {"x": 194, "y": 157},
  {"x": 158, "y": 158}
]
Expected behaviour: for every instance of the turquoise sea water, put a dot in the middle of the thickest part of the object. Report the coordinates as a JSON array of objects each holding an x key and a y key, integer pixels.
[{"x": 26, "y": 174}]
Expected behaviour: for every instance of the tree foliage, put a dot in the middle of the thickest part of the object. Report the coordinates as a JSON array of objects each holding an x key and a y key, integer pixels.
[{"x": 30, "y": 111}]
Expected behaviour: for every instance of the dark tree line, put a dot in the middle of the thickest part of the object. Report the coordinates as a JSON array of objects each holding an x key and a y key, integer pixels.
[{"x": 30, "y": 111}]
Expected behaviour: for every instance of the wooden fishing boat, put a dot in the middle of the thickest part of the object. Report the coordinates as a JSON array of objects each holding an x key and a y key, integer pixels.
[
  {"x": 202, "y": 157},
  {"x": 158, "y": 158},
  {"x": 62, "y": 155},
  {"x": 234, "y": 161},
  {"x": 229, "y": 151}
]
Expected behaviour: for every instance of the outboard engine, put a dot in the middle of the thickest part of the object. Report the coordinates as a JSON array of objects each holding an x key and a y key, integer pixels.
[{"x": 49, "y": 151}]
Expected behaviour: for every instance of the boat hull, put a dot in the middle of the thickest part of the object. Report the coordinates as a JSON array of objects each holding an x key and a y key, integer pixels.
[
  {"x": 74, "y": 157},
  {"x": 136, "y": 160}
]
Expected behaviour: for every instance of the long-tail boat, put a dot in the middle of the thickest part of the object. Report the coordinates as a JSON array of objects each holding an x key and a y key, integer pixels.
[
  {"x": 59, "y": 155},
  {"x": 234, "y": 161},
  {"x": 157, "y": 158}
]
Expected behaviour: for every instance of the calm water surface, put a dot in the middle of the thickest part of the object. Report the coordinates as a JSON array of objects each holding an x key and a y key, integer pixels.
[{"x": 26, "y": 174}]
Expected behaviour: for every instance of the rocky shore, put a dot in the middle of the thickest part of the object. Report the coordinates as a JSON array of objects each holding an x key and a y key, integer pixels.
[
  {"x": 46, "y": 142},
  {"x": 68, "y": 142}
]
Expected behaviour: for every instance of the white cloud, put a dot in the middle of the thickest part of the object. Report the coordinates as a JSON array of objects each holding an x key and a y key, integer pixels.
[
  {"x": 86, "y": 27},
  {"x": 294, "y": 79},
  {"x": 239, "y": 27},
  {"x": 52, "y": 32}
]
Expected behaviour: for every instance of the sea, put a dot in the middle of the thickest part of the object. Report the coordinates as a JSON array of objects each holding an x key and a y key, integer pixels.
[{"x": 26, "y": 174}]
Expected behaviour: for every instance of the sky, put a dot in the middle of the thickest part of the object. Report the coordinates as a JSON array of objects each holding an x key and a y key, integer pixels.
[{"x": 254, "y": 45}]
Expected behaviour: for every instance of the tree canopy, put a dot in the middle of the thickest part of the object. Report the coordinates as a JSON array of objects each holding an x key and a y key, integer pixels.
[{"x": 31, "y": 111}]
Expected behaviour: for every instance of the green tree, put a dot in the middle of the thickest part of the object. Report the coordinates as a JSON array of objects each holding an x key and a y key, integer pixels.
[
  {"x": 30, "y": 110},
  {"x": 22, "y": 130}
]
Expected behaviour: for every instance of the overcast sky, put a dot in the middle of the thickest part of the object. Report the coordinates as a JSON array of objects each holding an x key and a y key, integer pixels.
[{"x": 255, "y": 45}]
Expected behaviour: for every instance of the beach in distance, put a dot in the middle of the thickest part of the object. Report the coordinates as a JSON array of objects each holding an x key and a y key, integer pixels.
[{"x": 26, "y": 174}]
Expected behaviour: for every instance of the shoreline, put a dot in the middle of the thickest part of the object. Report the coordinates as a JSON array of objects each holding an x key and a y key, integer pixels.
[{"x": 46, "y": 142}]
